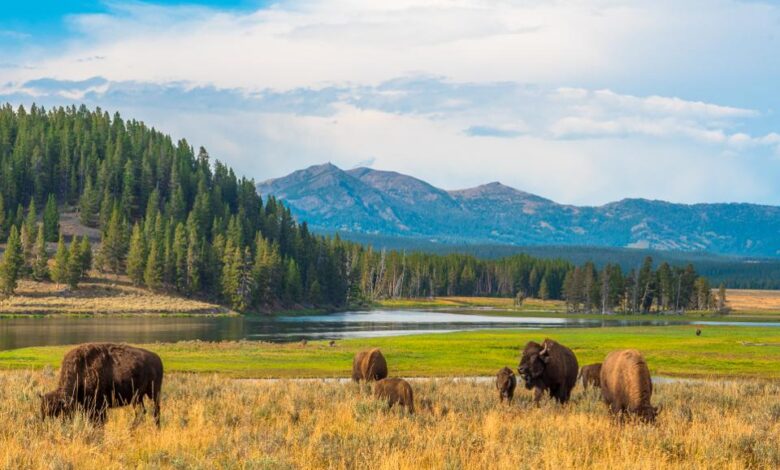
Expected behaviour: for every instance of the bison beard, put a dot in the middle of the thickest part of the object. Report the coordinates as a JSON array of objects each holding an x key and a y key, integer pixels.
[
  {"x": 97, "y": 376},
  {"x": 549, "y": 366},
  {"x": 626, "y": 386}
]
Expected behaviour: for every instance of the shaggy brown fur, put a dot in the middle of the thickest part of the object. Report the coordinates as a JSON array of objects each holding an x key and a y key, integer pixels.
[
  {"x": 698, "y": 332},
  {"x": 506, "y": 383},
  {"x": 548, "y": 366},
  {"x": 369, "y": 365},
  {"x": 395, "y": 391},
  {"x": 591, "y": 375},
  {"x": 97, "y": 376},
  {"x": 626, "y": 386}
]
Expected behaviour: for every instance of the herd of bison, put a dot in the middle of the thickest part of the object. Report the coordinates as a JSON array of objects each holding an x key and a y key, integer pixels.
[{"x": 97, "y": 376}]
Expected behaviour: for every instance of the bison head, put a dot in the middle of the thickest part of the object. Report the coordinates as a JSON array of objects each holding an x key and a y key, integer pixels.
[
  {"x": 533, "y": 363},
  {"x": 52, "y": 405}
]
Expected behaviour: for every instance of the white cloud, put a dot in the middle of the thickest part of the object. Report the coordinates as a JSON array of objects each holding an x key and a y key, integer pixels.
[{"x": 578, "y": 101}]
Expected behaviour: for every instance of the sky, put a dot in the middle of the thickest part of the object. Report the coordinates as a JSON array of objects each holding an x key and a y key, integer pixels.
[{"x": 582, "y": 102}]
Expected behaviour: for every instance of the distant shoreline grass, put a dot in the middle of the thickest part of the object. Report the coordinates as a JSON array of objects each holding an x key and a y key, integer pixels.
[{"x": 675, "y": 351}]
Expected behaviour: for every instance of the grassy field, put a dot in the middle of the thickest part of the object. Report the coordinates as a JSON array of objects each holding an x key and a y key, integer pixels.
[
  {"x": 475, "y": 302},
  {"x": 673, "y": 351},
  {"x": 100, "y": 295},
  {"x": 209, "y": 421},
  {"x": 756, "y": 302}
]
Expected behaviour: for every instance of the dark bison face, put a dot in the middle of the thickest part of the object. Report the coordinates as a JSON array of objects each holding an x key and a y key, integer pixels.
[
  {"x": 532, "y": 366},
  {"x": 52, "y": 405}
]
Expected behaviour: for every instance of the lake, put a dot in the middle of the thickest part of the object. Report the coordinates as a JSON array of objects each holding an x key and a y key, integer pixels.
[{"x": 24, "y": 332}]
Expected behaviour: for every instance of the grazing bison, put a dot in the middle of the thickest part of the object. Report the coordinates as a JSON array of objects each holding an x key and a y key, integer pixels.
[
  {"x": 591, "y": 375},
  {"x": 332, "y": 343},
  {"x": 698, "y": 331},
  {"x": 97, "y": 376},
  {"x": 369, "y": 365},
  {"x": 506, "y": 383},
  {"x": 626, "y": 385},
  {"x": 395, "y": 391},
  {"x": 548, "y": 366}
]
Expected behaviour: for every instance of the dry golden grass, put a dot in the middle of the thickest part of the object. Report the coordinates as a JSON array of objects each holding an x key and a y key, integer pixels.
[
  {"x": 99, "y": 295},
  {"x": 746, "y": 300},
  {"x": 213, "y": 422}
]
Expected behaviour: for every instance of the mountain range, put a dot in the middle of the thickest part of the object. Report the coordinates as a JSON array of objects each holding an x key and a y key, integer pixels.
[{"x": 364, "y": 201}]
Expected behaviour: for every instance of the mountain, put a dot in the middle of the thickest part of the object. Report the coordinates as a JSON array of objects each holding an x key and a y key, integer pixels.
[{"x": 364, "y": 201}]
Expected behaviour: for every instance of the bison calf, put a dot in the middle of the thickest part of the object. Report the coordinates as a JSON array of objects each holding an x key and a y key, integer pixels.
[
  {"x": 626, "y": 386},
  {"x": 369, "y": 365},
  {"x": 591, "y": 375},
  {"x": 549, "y": 366},
  {"x": 506, "y": 383},
  {"x": 97, "y": 376},
  {"x": 395, "y": 391}
]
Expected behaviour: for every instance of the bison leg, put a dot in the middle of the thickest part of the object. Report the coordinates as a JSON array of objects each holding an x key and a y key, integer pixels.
[
  {"x": 156, "y": 410},
  {"x": 140, "y": 412},
  {"x": 538, "y": 392}
]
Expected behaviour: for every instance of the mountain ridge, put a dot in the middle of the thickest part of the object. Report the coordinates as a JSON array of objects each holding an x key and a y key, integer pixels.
[{"x": 388, "y": 203}]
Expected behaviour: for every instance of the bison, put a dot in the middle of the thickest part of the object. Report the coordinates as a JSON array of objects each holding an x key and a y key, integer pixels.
[
  {"x": 698, "y": 331},
  {"x": 97, "y": 376},
  {"x": 548, "y": 366},
  {"x": 626, "y": 386},
  {"x": 506, "y": 383},
  {"x": 369, "y": 365},
  {"x": 591, "y": 375},
  {"x": 395, "y": 391}
]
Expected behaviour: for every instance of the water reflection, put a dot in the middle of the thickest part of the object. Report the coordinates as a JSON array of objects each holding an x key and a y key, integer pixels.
[{"x": 24, "y": 332}]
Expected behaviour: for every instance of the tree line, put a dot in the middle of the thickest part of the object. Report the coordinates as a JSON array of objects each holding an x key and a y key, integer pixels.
[{"x": 171, "y": 219}]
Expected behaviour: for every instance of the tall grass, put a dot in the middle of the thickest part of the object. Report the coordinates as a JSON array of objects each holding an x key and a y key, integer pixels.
[{"x": 213, "y": 422}]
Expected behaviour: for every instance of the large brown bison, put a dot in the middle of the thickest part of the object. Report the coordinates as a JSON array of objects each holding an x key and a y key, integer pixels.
[
  {"x": 395, "y": 391},
  {"x": 369, "y": 365},
  {"x": 506, "y": 383},
  {"x": 97, "y": 376},
  {"x": 626, "y": 386},
  {"x": 591, "y": 375},
  {"x": 548, "y": 366}
]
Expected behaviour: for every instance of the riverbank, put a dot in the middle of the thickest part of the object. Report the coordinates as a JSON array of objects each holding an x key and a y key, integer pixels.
[
  {"x": 721, "y": 351},
  {"x": 100, "y": 295},
  {"x": 209, "y": 421}
]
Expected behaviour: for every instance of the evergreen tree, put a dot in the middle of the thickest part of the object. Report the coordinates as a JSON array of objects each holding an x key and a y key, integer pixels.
[
  {"x": 31, "y": 222},
  {"x": 136, "y": 259},
  {"x": 85, "y": 250},
  {"x": 2, "y": 217},
  {"x": 114, "y": 246},
  {"x": 59, "y": 272},
  {"x": 89, "y": 205},
  {"x": 51, "y": 220},
  {"x": 28, "y": 244},
  {"x": 12, "y": 263},
  {"x": 194, "y": 260},
  {"x": 292, "y": 282},
  {"x": 153, "y": 272},
  {"x": 74, "y": 266},
  {"x": 722, "y": 298},
  {"x": 40, "y": 267},
  {"x": 180, "y": 258}
]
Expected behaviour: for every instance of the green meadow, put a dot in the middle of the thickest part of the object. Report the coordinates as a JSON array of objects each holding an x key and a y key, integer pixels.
[{"x": 722, "y": 351}]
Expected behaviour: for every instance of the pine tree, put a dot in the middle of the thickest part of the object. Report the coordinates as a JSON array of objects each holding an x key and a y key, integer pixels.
[
  {"x": 59, "y": 272},
  {"x": 136, "y": 259},
  {"x": 31, "y": 222},
  {"x": 74, "y": 265},
  {"x": 180, "y": 258},
  {"x": 153, "y": 273},
  {"x": 28, "y": 244},
  {"x": 194, "y": 259},
  {"x": 2, "y": 217},
  {"x": 40, "y": 267},
  {"x": 544, "y": 291},
  {"x": 114, "y": 247},
  {"x": 89, "y": 205},
  {"x": 51, "y": 220},
  {"x": 85, "y": 250},
  {"x": 12, "y": 263},
  {"x": 292, "y": 282}
]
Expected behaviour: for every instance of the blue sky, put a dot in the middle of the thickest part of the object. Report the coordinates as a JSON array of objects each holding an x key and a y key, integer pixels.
[{"x": 581, "y": 102}]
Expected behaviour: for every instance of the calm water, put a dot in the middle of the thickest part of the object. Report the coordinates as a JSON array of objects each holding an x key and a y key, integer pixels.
[{"x": 18, "y": 333}]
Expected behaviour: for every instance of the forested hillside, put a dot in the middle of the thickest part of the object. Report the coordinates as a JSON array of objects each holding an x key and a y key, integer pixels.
[{"x": 172, "y": 219}]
